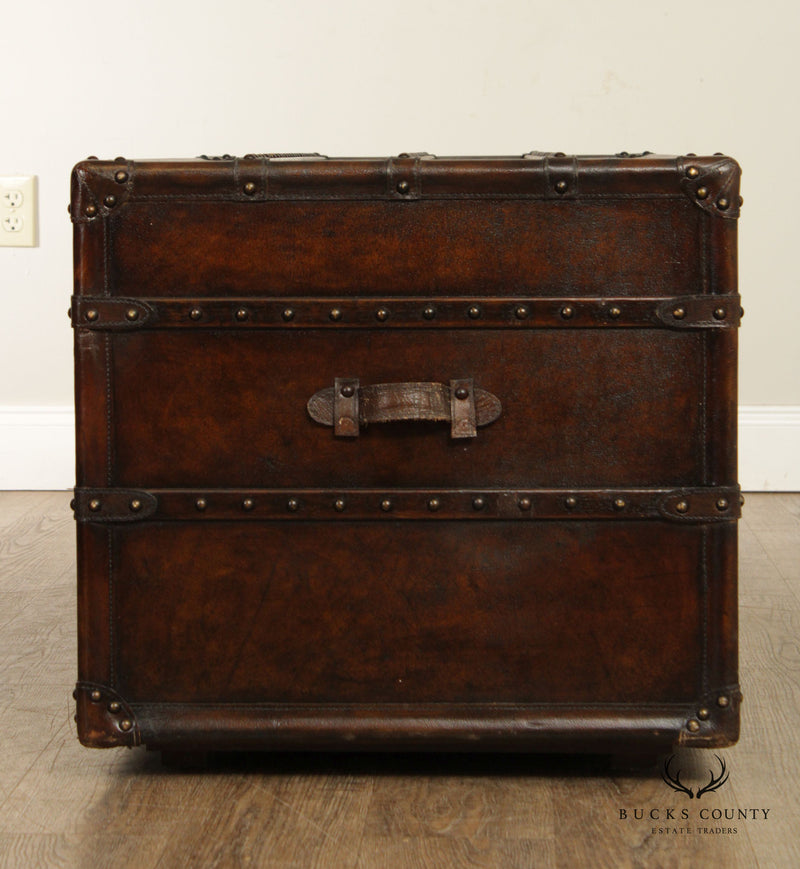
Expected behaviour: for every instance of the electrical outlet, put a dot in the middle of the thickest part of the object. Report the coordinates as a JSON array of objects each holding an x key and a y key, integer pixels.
[{"x": 18, "y": 211}]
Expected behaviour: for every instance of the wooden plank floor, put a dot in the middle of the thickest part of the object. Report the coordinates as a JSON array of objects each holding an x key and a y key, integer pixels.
[{"x": 63, "y": 805}]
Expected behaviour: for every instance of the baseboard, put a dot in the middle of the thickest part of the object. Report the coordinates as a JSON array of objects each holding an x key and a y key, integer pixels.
[
  {"x": 769, "y": 448},
  {"x": 37, "y": 448}
]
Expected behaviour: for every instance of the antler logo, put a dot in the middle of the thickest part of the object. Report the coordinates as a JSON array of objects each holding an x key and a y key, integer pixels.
[{"x": 676, "y": 784}]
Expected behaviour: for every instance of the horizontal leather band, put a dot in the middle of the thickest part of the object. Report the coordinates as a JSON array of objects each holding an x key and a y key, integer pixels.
[
  {"x": 680, "y": 312},
  {"x": 694, "y": 504}
]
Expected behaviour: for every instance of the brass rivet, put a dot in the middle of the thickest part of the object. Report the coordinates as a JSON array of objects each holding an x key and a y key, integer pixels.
[
  {"x": 339, "y": 505},
  {"x": 741, "y": 500},
  {"x": 478, "y": 503},
  {"x": 719, "y": 313},
  {"x": 723, "y": 203},
  {"x": 571, "y": 502},
  {"x": 462, "y": 392},
  {"x": 132, "y": 314},
  {"x": 91, "y": 210},
  {"x": 96, "y": 695},
  {"x": 248, "y": 504},
  {"x": 121, "y": 177},
  {"x": 195, "y": 314},
  {"x": 403, "y": 186},
  {"x": 614, "y": 313},
  {"x": 620, "y": 504},
  {"x": 75, "y": 717},
  {"x": 125, "y": 724},
  {"x": 474, "y": 312},
  {"x": 386, "y": 505},
  {"x": 722, "y": 504},
  {"x": 561, "y": 186},
  {"x": 722, "y": 701},
  {"x": 292, "y": 505},
  {"x": 434, "y": 504},
  {"x": 429, "y": 313},
  {"x": 521, "y": 312},
  {"x": 287, "y": 314},
  {"x": 524, "y": 503},
  {"x": 693, "y": 171},
  {"x": 382, "y": 314},
  {"x": 72, "y": 504},
  {"x": 679, "y": 313},
  {"x": 567, "y": 312},
  {"x": 135, "y": 505},
  {"x": 347, "y": 391},
  {"x": 94, "y": 505},
  {"x": 242, "y": 314},
  {"x": 703, "y": 714},
  {"x": 110, "y": 201},
  {"x": 335, "y": 314},
  {"x": 201, "y": 504},
  {"x": 249, "y": 188},
  {"x": 741, "y": 201},
  {"x": 693, "y": 725},
  {"x": 682, "y": 506},
  {"x": 702, "y": 192},
  {"x": 92, "y": 314},
  {"x": 114, "y": 706}
]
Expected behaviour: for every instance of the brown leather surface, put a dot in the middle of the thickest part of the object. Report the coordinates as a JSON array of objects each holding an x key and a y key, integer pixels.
[
  {"x": 565, "y": 580},
  {"x": 625, "y": 412},
  {"x": 451, "y": 616}
]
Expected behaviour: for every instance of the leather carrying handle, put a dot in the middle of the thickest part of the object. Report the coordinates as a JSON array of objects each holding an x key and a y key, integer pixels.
[{"x": 348, "y": 406}]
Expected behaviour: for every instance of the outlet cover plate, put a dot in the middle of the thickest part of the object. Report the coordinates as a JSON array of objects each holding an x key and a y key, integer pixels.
[{"x": 18, "y": 211}]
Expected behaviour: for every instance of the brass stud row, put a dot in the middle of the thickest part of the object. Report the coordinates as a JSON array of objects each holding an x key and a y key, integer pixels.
[
  {"x": 524, "y": 503},
  {"x": 683, "y": 506},
  {"x": 382, "y": 314},
  {"x": 93, "y": 315}
]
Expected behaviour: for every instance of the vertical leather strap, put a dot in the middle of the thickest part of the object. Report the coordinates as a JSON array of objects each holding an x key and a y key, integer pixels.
[
  {"x": 463, "y": 422},
  {"x": 403, "y": 177},
  {"x": 345, "y": 407}
]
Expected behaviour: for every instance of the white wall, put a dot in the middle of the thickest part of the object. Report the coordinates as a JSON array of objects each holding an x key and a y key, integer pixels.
[{"x": 364, "y": 77}]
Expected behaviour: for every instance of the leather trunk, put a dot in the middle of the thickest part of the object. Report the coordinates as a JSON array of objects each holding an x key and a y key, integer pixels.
[{"x": 409, "y": 453}]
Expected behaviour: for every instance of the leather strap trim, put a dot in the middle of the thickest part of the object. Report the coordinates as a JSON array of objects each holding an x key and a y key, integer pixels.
[
  {"x": 463, "y": 412},
  {"x": 114, "y": 505},
  {"x": 684, "y": 505},
  {"x": 464, "y": 312},
  {"x": 345, "y": 410},
  {"x": 701, "y": 312}
]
